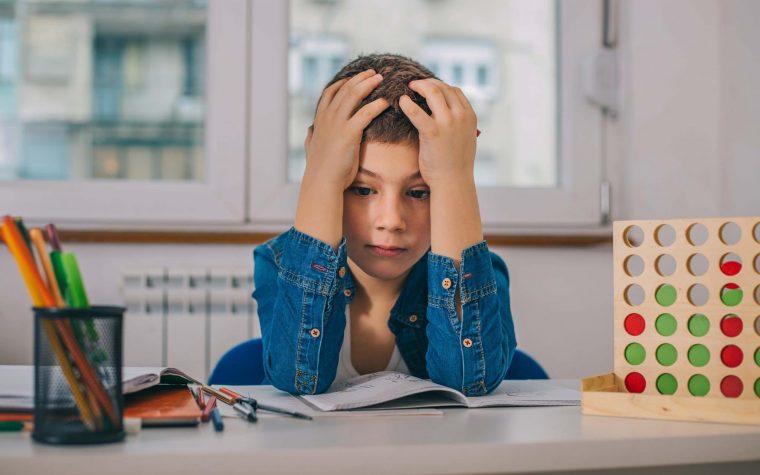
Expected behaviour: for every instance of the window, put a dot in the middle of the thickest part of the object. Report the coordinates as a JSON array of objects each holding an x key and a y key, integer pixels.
[
  {"x": 518, "y": 62},
  {"x": 120, "y": 100}
]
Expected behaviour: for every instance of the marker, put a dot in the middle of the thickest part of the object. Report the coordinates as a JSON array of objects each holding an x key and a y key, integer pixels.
[{"x": 216, "y": 418}]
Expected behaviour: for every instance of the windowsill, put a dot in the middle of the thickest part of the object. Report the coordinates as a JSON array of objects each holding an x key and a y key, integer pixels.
[{"x": 581, "y": 237}]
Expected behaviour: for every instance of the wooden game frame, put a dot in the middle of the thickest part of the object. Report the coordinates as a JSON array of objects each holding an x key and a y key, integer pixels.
[{"x": 607, "y": 394}]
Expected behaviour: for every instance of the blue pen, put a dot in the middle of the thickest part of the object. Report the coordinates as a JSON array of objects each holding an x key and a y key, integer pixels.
[{"x": 216, "y": 418}]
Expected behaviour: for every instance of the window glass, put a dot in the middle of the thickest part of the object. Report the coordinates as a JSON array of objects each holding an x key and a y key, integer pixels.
[{"x": 102, "y": 89}]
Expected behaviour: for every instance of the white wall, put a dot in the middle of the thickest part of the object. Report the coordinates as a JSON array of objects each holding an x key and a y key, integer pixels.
[{"x": 686, "y": 144}]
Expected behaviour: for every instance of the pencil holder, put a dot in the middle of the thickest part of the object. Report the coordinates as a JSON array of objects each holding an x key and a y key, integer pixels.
[{"x": 77, "y": 375}]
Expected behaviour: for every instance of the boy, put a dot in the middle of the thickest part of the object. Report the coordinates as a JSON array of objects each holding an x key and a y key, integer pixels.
[{"x": 386, "y": 267}]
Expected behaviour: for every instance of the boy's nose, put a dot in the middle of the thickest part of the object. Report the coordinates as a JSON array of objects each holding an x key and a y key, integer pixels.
[{"x": 390, "y": 216}]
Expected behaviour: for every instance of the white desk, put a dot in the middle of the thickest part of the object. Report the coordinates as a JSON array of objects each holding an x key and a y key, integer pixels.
[{"x": 496, "y": 440}]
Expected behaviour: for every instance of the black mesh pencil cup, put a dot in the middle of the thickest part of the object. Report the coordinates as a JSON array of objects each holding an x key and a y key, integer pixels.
[{"x": 77, "y": 375}]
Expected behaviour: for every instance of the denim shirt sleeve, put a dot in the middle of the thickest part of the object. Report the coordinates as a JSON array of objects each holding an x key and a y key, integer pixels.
[
  {"x": 301, "y": 309},
  {"x": 471, "y": 356}
]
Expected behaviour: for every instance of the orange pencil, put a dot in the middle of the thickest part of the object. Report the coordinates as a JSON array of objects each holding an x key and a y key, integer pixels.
[{"x": 38, "y": 240}]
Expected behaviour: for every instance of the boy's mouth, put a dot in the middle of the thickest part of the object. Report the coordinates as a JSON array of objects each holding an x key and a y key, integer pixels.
[{"x": 385, "y": 251}]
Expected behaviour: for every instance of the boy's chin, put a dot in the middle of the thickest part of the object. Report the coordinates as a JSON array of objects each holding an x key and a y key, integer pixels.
[{"x": 384, "y": 270}]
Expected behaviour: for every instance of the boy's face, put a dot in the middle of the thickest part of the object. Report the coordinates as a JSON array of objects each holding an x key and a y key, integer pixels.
[{"x": 386, "y": 214}]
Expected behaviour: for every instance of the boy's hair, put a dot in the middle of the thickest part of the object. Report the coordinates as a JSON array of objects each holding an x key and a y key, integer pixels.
[{"x": 392, "y": 125}]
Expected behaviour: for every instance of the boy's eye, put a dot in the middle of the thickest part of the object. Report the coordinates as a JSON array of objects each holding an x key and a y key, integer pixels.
[
  {"x": 419, "y": 194},
  {"x": 360, "y": 190}
]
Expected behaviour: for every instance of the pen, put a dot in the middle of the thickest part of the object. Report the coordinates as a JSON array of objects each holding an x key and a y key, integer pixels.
[
  {"x": 246, "y": 411},
  {"x": 210, "y": 405},
  {"x": 264, "y": 407},
  {"x": 220, "y": 396},
  {"x": 216, "y": 418}
]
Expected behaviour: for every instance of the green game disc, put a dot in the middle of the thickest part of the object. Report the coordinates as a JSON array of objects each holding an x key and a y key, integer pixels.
[
  {"x": 732, "y": 297},
  {"x": 757, "y": 356},
  {"x": 635, "y": 354},
  {"x": 699, "y": 385},
  {"x": 665, "y": 295},
  {"x": 666, "y": 354},
  {"x": 757, "y": 387},
  {"x": 667, "y": 384},
  {"x": 699, "y": 355},
  {"x": 699, "y": 325},
  {"x": 665, "y": 324}
]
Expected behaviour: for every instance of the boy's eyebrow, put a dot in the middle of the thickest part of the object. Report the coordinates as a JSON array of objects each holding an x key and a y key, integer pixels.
[{"x": 417, "y": 174}]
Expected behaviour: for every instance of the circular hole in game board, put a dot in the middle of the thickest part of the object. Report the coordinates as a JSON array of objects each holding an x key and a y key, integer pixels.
[
  {"x": 665, "y": 265},
  {"x": 635, "y": 382},
  {"x": 634, "y": 265},
  {"x": 633, "y": 236},
  {"x": 731, "y": 325},
  {"x": 731, "y": 356},
  {"x": 731, "y": 294},
  {"x": 696, "y": 234},
  {"x": 697, "y": 264},
  {"x": 698, "y": 295},
  {"x": 665, "y": 235},
  {"x": 730, "y": 233},
  {"x": 634, "y": 295},
  {"x": 730, "y": 264},
  {"x": 699, "y": 385},
  {"x": 757, "y": 326},
  {"x": 756, "y": 232},
  {"x": 666, "y": 295},
  {"x": 634, "y": 324},
  {"x": 731, "y": 386},
  {"x": 667, "y": 384},
  {"x": 757, "y": 263},
  {"x": 635, "y": 354},
  {"x": 757, "y": 294},
  {"x": 757, "y": 356},
  {"x": 665, "y": 324},
  {"x": 699, "y": 325}
]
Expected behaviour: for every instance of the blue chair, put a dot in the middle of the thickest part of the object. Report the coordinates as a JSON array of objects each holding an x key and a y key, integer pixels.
[{"x": 243, "y": 365}]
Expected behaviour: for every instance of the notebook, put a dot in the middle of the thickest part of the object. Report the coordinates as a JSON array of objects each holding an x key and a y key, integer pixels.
[
  {"x": 391, "y": 390},
  {"x": 163, "y": 405},
  {"x": 139, "y": 378}
]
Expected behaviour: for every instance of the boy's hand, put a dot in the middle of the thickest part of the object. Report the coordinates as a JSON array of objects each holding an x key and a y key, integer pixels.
[
  {"x": 332, "y": 144},
  {"x": 447, "y": 138}
]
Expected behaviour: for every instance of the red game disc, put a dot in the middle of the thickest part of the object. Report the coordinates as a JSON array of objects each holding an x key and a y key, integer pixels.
[
  {"x": 635, "y": 383},
  {"x": 731, "y": 386},
  {"x": 634, "y": 324}
]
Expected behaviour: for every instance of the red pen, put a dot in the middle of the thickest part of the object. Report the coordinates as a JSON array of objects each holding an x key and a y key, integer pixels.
[
  {"x": 201, "y": 401},
  {"x": 210, "y": 405}
]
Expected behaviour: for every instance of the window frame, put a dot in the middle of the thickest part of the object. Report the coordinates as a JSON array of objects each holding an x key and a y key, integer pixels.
[
  {"x": 219, "y": 198},
  {"x": 574, "y": 203}
]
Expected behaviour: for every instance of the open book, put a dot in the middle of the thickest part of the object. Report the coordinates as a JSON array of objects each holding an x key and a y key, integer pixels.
[
  {"x": 401, "y": 391},
  {"x": 136, "y": 378}
]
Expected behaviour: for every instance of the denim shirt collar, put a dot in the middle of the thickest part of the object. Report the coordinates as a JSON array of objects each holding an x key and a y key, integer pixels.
[{"x": 411, "y": 301}]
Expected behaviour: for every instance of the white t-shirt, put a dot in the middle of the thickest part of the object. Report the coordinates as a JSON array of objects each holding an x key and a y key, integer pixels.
[{"x": 346, "y": 368}]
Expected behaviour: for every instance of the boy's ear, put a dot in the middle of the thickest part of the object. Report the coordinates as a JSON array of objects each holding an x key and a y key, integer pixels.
[{"x": 307, "y": 140}]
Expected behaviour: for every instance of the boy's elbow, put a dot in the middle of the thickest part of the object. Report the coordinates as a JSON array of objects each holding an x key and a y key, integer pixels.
[{"x": 297, "y": 385}]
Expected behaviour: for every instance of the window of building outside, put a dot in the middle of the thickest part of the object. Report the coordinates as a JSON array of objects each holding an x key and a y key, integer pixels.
[{"x": 102, "y": 90}]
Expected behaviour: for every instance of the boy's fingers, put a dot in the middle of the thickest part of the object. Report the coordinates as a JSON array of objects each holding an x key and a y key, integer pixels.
[
  {"x": 356, "y": 94},
  {"x": 329, "y": 93},
  {"x": 433, "y": 95},
  {"x": 419, "y": 118},
  {"x": 449, "y": 92},
  {"x": 340, "y": 96},
  {"x": 364, "y": 116},
  {"x": 462, "y": 98}
]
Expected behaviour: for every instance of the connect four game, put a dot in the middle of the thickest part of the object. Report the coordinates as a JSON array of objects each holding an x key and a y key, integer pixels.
[{"x": 686, "y": 322}]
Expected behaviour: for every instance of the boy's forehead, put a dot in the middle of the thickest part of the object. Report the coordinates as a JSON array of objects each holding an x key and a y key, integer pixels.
[{"x": 389, "y": 160}]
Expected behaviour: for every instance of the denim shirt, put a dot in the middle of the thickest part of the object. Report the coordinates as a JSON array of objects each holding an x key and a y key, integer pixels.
[{"x": 302, "y": 287}]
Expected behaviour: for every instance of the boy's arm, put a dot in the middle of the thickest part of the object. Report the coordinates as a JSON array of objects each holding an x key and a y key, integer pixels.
[
  {"x": 447, "y": 159},
  {"x": 332, "y": 155}
]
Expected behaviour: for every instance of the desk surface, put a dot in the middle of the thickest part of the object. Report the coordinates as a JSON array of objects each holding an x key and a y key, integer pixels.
[{"x": 489, "y": 440}]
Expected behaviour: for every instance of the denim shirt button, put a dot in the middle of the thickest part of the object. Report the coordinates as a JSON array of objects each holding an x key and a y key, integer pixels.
[
  {"x": 412, "y": 318},
  {"x": 467, "y": 342},
  {"x": 342, "y": 272},
  {"x": 347, "y": 292},
  {"x": 315, "y": 332},
  {"x": 446, "y": 284}
]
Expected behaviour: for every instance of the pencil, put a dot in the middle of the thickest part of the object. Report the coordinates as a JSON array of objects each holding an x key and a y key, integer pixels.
[
  {"x": 39, "y": 243},
  {"x": 41, "y": 298}
]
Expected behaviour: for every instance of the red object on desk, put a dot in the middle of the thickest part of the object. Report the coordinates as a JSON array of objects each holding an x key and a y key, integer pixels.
[{"x": 210, "y": 405}]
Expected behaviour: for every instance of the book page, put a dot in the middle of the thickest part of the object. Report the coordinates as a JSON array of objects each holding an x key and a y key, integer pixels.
[
  {"x": 529, "y": 392},
  {"x": 371, "y": 389}
]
